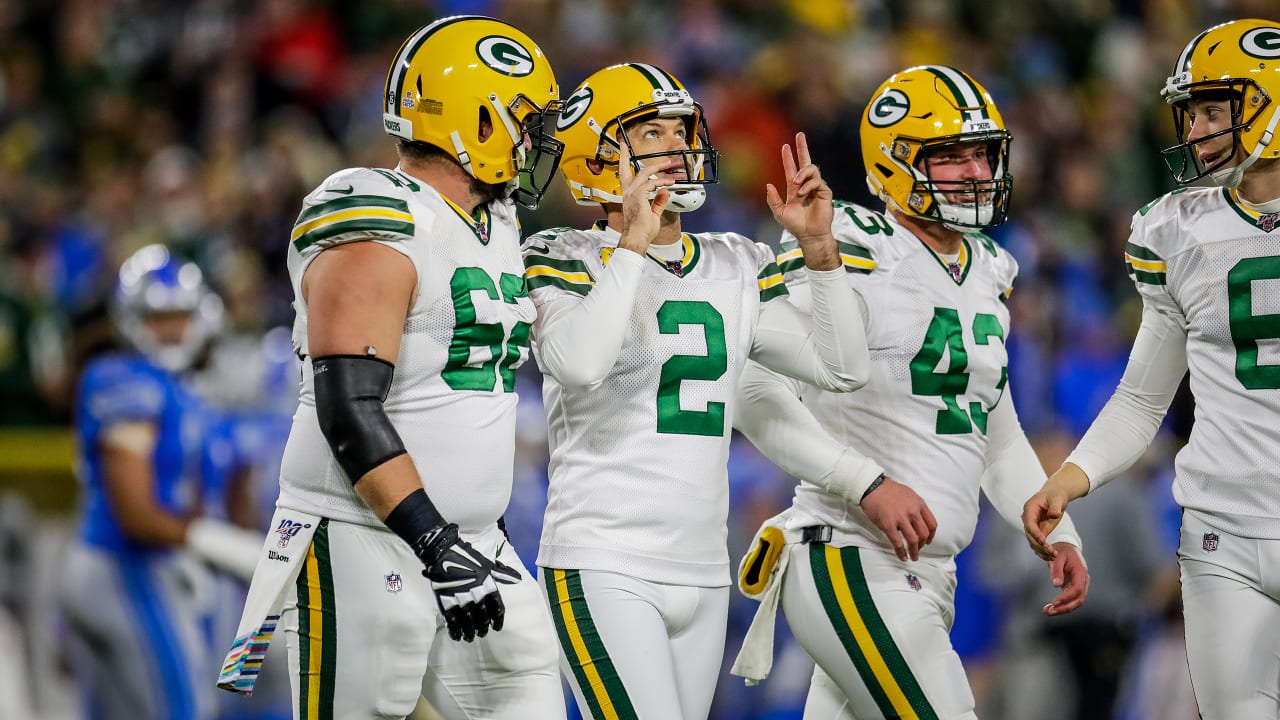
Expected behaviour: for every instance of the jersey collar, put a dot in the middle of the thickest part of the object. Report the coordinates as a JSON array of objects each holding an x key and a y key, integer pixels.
[
  {"x": 959, "y": 270},
  {"x": 1266, "y": 222}
]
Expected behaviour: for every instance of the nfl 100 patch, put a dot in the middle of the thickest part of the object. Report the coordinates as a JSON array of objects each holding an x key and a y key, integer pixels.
[{"x": 287, "y": 530}]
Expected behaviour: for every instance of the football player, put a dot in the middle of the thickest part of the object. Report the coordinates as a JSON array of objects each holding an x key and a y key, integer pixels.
[
  {"x": 136, "y": 602},
  {"x": 863, "y": 561},
  {"x": 1206, "y": 261},
  {"x": 642, "y": 333},
  {"x": 394, "y": 574}
]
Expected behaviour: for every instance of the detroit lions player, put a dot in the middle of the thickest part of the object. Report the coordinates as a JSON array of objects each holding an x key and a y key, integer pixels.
[
  {"x": 137, "y": 604},
  {"x": 642, "y": 333},
  {"x": 863, "y": 561},
  {"x": 1206, "y": 262}
]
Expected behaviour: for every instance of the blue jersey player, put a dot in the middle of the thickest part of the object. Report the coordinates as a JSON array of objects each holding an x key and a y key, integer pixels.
[{"x": 138, "y": 588}]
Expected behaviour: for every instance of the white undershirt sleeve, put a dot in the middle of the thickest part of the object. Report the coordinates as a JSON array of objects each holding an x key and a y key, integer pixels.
[
  {"x": 770, "y": 414},
  {"x": 578, "y": 338},
  {"x": 1127, "y": 424},
  {"x": 827, "y": 349},
  {"x": 1013, "y": 471}
]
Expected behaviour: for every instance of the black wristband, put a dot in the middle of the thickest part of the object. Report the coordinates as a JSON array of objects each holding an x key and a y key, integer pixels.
[
  {"x": 414, "y": 519},
  {"x": 874, "y": 484}
]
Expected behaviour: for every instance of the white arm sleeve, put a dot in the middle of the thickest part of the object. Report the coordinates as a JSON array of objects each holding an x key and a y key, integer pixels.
[
  {"x": 578, "y": 338},
  {"x": 1014, "y": 473},
  {"x": 771, "y": 416},
  {"x": 829, "y": 349},
  {"x": 1129, "y": 421}
]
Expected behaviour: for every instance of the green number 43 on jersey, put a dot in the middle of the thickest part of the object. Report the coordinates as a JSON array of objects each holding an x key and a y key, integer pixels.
[{"x": 945, "y": 336}]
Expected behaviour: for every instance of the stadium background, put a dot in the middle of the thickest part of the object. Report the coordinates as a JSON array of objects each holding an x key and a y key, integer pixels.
[{"x": 202, "y": 123}]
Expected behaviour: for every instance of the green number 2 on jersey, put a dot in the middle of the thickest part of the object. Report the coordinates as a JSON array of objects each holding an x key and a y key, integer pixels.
[
  {"x": 945, "y": 336},
  {"x": 671, "y": 419},
  {"x": 460, "y": 373}
]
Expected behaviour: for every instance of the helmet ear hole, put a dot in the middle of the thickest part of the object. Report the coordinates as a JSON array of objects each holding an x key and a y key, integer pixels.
[
  {"x": 595, "y": 166},
  {"x": 484, "y": 124}
]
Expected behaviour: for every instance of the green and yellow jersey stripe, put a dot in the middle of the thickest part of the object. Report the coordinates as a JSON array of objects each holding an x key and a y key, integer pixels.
[
  {"x": 842, "y": 587},
  {"x": 317, "y": 630},
  {"x": 383, "y": 217},
  {"x": 593, "y": 671}
]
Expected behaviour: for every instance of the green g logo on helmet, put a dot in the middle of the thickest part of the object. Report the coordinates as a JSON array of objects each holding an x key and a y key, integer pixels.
[
  {"x": 505, "y": 55},
  {"x": 574, "y": 108},
  {"x": 1263, "y": 42},
  {"x": 889, "y": 108}
]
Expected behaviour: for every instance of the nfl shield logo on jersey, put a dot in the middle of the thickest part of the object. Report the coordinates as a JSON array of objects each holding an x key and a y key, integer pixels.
[
  {"x": 914, "y": 582},
  {"x": 287, "y": 530},
  {"x": 394, "y": 582},
  {"x": 1210, "y": 542}
]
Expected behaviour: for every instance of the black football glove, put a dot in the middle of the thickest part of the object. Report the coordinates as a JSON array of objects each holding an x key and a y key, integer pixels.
[{"x": 464, "y": 581}]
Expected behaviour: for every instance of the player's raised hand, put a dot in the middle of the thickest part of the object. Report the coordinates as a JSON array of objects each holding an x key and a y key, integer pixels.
[
  {"x": 1069, "y": 573},
  {"x": 903, "y": 517},
  {"x": 644, "y": 198},
  {"x": 807, "y": 209}
]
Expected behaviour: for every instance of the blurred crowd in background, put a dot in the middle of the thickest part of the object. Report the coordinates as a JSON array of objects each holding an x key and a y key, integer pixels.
[{"x": 201, "y": 124}]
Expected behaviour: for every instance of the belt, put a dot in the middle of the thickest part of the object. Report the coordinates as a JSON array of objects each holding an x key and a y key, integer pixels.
[{"x": 815, "y": 534}]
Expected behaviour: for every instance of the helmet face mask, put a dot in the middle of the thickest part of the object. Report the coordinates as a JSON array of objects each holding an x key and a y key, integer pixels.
[
  {"x": 929, "y": 112},
  {"x": 452, "y": 76},
  {"x": 964, "y": 204},
  {"x": 1184, "y": 161},
  {"x": 164, "y": 309},
  {"x": 1236, "y": 63},
  {"x": 597, "y": 116},
  {"x": 537, "y": 154}
]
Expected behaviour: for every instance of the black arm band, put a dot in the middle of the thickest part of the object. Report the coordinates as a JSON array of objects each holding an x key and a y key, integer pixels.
[
  {"x": 350, "y": 390},
  {"x": 414, "y": 519},
  {"x": 874, "y": 484}
]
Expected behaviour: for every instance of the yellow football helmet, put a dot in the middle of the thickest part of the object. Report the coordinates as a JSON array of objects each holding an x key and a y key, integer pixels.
[
  {"x": 919, "y": 111},
  {"x": 611, "y": 99},
  {"x": 1242, "y": 59},
  {"x": 453, "y": 73}
]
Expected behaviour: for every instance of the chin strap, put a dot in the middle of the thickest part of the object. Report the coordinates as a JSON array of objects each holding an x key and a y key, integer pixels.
[{"x": 1230, "y": 177}]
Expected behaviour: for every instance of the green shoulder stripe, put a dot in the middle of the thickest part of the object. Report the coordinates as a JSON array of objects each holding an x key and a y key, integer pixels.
[
  {"x": 383, "y": 217},
  {"x": 571, "y": 275},
  {"x": 1141, "y": 253},
  {"x": 771, "y": 283},
  {"x": 855, "y": 257},
  {"x": 535, "y": 281}
]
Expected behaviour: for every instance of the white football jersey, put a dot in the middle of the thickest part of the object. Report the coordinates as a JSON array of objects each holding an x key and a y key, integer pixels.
[
  {"x": 1201, "y": 256},
  {"x": 452, "y": 398},
  {"x": 938, "y": 367},
  {"x": 638, "y": 478}
]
